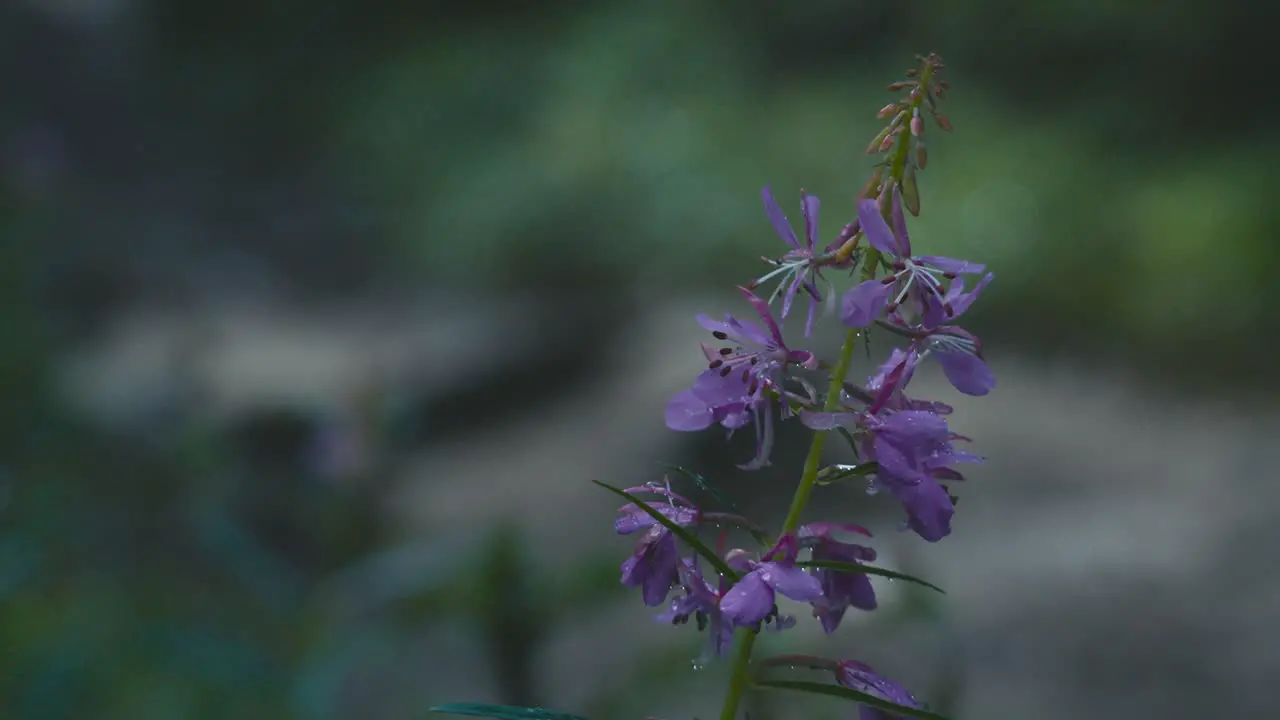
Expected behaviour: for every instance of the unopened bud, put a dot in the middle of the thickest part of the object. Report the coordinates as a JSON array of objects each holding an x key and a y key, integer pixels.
[
  {"x": 943, "y": 122},
  {"x": 873, "y": 184},
  {"x": 922, "y": 155},
  {"x": 888, "y": 141},
  {"x": 901, "y": 85},
  {"x": 879, "y": 140},
  {"x": 912, "y": 72},
  {"x": 911, "y": 192},
  {"x": 886, "y": 111},
  {"x": 917, "y": 125}
]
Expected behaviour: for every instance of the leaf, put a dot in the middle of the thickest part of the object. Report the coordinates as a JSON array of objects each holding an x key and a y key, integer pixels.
[
  {"x": 702, "y": 484},
  {"x": 841, "y": 691},
  {"x": 867, "y": 570},
  {"x": 911, "y": 192},
  {"x": 694, "y": 543},
  {"x": 503, "y": 712},
  {"x": 836, "y": 473}
]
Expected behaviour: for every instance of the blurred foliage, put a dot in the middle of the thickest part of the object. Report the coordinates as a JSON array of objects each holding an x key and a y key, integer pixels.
[{"x": 1111, "y": 162}]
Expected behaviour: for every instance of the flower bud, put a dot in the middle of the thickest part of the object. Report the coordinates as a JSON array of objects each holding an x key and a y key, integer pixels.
[
  {"x": 879, "y": 140},
  {"x": 901, "y": 85},
  {"x": 922, "y": 155},
  {"x": 886, "y": 111},
  {"x": 888, "y": 141},
  {"x": 873, "y": 184},
  {"x": 943, "y": 122},
  {"x": 911, "y": 192},
  {"x": 917, "y": 125}
]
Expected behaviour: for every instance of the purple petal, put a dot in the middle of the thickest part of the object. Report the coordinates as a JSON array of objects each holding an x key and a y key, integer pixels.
[
  {"x": 687, "y": 413},
  {"x": 967, "y": 373},
  {"x": 825, "y": 529},
  {"x": 789, "y": 295},
  {"x": 929, "y": 509},
  {"x": 811, "y": 204},
  {"x": 895, "y": 467},
  {"x": 766, "y": 315},
  {"x": 813, "y": 312},
  {"x": 951, "y": 265},
  {"x": 825, "y": 420},
  {"x": 862, "y": 304},
  {"x": 859, "y": 676},
  {"x": 780, "y": 223},
  {"x": 791, "y": 581},
  {"x": 961, "y": 301},
  {"x": 877, "y": 230},
  {"x": 748, "y": 601},
  {"x": 715, "y": 389},
  {"x": 736, "y": 329},
  {"x": 915, "y": 428},
  {"x": 632, "y": 519}
]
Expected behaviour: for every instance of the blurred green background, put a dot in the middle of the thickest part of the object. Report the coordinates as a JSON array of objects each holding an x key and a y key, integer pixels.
[{"x": 165, "y": 553}]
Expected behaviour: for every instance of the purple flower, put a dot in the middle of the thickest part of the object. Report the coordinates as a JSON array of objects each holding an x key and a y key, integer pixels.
[
  {"x": 653, "y": 566},
  {"x": 913, "y": 450},
  {"x": 861, "y": 677},
  {"x": 751, "y": 599},
  {"x": 917, "y": 281},
  {"x": 799, "y": 268},
  {"x": 702, "y": 602},
  {"x": 840, "y": 590},
  {"x": 734, "y": 389},
  {"x": 959, "y": 352}
]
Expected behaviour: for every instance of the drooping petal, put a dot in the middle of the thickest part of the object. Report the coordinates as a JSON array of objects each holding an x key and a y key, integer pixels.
[
  {"x": 951, "y": 265},
  {"x": 748, "y": 601},
  {"x": 859, "y": 676},
  {"x": 780, "y": 223},
  {"x": 967, "y": 373},
  {"x": 791, "y": 581},
  {"x": 929, "y": 508},
  {"x": 736, "y": 329},
  {"x": 877, "y": 230},
  {"x": 686, "y": 412},
  {"x": 863, "y": 303},
  {"x": 896, "y": 467},
  {"x": 716, "y": 389},
  {"x": 811, "y": 205},
  {"x": 632, "y": 519}
]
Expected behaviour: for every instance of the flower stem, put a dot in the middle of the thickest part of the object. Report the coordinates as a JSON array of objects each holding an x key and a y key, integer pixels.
[{"x": 746, "y": 639}]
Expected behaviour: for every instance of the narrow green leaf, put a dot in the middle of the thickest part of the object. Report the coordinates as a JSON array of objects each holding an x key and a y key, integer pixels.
[
  {"x": 503, "y": 712},
  {"x": 702, "y": 484},
  {"x": 836, "y": 473},
  {"x": 867, "y": 570},
  {"x": 841, "y": 691},
  {"x": 678, "y": 531}
]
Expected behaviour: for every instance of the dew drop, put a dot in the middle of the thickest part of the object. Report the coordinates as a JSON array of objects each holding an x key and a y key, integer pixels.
[{"x": 697, "y": 664}]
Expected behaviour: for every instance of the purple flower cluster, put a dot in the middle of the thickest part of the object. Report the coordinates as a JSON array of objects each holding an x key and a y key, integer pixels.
[{"x": 904, "y": 446}]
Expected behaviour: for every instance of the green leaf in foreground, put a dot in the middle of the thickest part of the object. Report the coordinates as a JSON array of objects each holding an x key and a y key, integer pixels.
[
  {"x": 867, "y": 570},
  {"x": 841, "y": 691},
  {"x": 694, "y": 543},
  {"x": 836, "y": 473},
  {"x": 503, "y": 712}
]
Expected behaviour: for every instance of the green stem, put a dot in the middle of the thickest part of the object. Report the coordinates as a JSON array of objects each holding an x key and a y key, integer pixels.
[{"x": 741, "y": 677}]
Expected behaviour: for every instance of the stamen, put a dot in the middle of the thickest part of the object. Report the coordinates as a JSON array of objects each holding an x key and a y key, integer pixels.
[
  {"x": 746, "y": 374},
  {"x": 726, "y": 351},
  {"x": 720, "y": 335},
  {"x": 724, "y": 372},
  {"x": 715, "y": 363}
]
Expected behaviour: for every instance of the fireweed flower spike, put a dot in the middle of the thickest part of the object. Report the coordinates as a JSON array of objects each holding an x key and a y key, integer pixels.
[
  {"x": 917, "y": 281},
  {"x": 859, "y": 676},
  {"x": 799, "y": 268},
  {"x": 654, "y": 565},
  {"x": 740, "y": 379}
]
